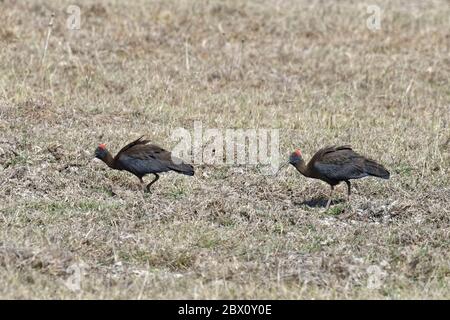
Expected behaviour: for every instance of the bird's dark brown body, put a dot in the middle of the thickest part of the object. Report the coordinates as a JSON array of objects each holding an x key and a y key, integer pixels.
[
  {"x": 141, "y": 158},
  {"x": 336, "y": 164}
]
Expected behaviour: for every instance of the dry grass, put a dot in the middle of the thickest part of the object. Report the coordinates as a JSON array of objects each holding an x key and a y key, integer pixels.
[{"x": 310, "y": 68}]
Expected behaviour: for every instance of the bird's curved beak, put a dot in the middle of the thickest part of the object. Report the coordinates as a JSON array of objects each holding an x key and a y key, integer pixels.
[{"x": 281, "y": 167}]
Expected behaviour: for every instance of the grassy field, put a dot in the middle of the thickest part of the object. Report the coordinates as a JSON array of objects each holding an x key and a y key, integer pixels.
[{"x": 70, "y": 227}]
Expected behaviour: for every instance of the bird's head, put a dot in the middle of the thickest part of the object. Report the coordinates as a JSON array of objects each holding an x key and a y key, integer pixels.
[
  {"x": 295, "y": 157},
  {"x": 101, "y": 151}
]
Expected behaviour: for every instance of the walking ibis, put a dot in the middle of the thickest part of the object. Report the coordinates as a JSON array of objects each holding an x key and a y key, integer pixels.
[
  {"x": 336, "y": 164},
  {"x": 141, "y": 158}
]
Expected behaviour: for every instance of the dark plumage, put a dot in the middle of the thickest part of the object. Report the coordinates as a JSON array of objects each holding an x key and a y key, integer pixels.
[
  {"x": 141, "y": 158},
  {"x": 336, "y": 164}
]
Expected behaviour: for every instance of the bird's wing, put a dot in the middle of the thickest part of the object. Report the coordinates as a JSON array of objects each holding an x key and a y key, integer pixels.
[
  {"x": 147, "y": 152},
  {"x": 136, "y": 142},
  {"x": 324, "y": 154},
  {"x": 144, "y": 158},
  {"x": 334, "y": 153},
  {"x": 339, "y": 163}
]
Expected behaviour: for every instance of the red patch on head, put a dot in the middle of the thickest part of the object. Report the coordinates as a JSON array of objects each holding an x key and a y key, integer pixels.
[
  {"x": 102, "y": 146},
  {"x": 297, "y": 152}
]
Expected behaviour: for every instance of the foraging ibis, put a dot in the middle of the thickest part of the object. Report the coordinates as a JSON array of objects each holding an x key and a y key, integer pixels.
[
  {"x": 336, "y": 164},
  {"x": 141, "y": 158}
]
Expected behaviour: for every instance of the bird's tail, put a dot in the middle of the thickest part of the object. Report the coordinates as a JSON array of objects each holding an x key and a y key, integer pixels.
[
  {"x": 183, "y": 168},
  {"x": 376, "y": 169}
]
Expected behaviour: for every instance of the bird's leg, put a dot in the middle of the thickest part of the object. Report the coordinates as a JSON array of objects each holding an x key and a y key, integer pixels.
[
  {"x": 329, "y": 199},
  {"x": 153, "y": 181},
  {"x": 349, "y": 191},
  {"x": 142, "y": 183}
]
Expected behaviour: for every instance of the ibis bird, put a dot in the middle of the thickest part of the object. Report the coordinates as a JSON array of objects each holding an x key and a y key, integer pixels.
[
  {"x": 336, "y": 164},
  {"x": 141, "y": 158}
]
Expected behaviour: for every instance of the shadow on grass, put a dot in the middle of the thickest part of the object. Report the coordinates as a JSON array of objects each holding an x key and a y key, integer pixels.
[{"x": 319, "y": 202}]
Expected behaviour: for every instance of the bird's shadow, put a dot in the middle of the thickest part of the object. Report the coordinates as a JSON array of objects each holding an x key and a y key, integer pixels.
[{"x": 320, "y": 202}]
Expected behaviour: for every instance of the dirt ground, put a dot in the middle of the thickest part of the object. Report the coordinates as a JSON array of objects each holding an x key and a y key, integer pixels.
[{"x": 70, "y": 227}]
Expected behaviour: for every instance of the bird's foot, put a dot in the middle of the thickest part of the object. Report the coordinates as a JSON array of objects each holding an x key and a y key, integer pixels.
[
  {"x": 347, "y": 216},
  {"x": 327, "y": 207},
  {"x": 348, "y": 213},
  {"x": 111, "y": 191}
]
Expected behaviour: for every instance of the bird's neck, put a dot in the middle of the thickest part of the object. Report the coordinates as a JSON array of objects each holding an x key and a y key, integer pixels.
[
  {"x": 109, "y": 160},
  {"x": 302, "y": 168}
]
